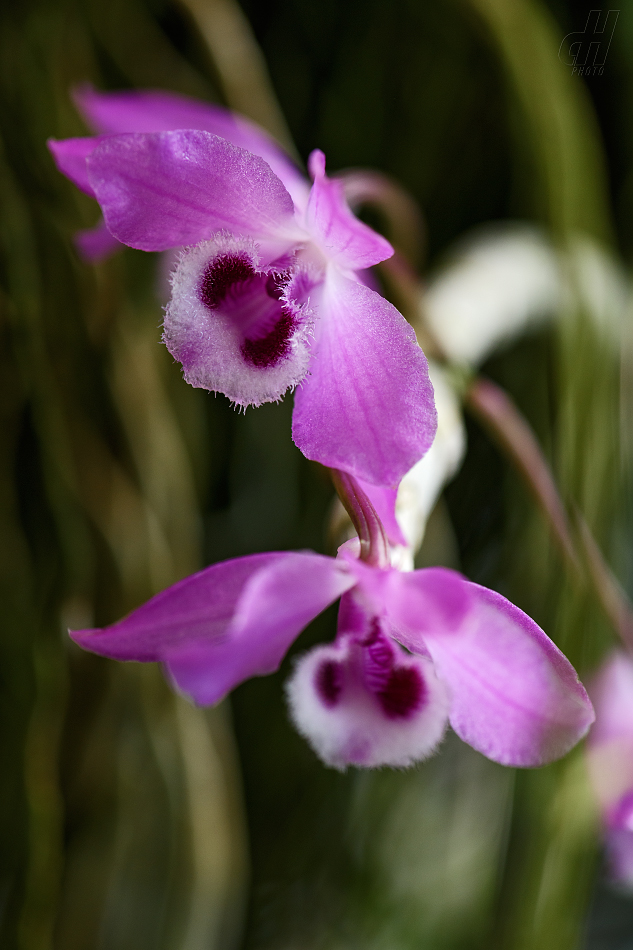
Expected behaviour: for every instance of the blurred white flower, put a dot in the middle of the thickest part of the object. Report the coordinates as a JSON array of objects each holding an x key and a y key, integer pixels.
[
  {"x": 498, "y": 283},
  {"x": 592, "y": 279},
  {"x": 505, "y": 279}
]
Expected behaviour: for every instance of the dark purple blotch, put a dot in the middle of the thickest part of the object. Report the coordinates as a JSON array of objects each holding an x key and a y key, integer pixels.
[
  {"x": 221, "y": 275},
  {"x": 224, "y": 274},
  {"x": 404, "y": 693},
  {"x": 274, "y": 346},
  {"x": 329, "y": 682}
]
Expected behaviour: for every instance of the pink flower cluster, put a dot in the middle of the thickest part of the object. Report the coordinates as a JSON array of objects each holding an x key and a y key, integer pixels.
[{"x": 270, "y": 293}]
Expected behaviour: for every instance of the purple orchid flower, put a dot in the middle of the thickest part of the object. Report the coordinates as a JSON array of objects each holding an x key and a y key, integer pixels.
[
  {"x": 268, "y": 294},
  {"x": 413, "y": 651},
  {"x": 610, "y": 761}
]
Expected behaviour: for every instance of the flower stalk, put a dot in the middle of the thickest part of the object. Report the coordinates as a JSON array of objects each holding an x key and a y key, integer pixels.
[
  {"x": 492, "y": 406},
  {"x": 374, "y": 549},
  {"x": 611, "y": 595}
]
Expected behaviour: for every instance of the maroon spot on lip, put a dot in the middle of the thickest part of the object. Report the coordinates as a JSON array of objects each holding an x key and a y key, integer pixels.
[
  {"x": 221, "y": 275},
  {"x": 404, "y": 693},
  {"x": 329, "y": 682},
  {"x": 270, "y": 349}
]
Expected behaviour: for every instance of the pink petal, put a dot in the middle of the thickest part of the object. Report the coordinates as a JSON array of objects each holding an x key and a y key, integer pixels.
[
  {"x": 366, "y": 406},
  {"x": 276, "y": 604},
  {"x": 619, "y": 843},
  {"x": 421, "y": 602},
  {"x": 70, "y": 157},
  {"x": 343, "y": 239},
  {"x": 167, "y": 189},
  {"x": 226, "y": 623},
  {"x": 610, "y": 761},
  {"x": 610, "y": 744},
  {"x": 156, "y": 111},
  {"x": 199, "y": 607},
  {"x": 95, "y": 244},
  {"x": 515, "y": 697},
  {"x": 612, "y": 695}
]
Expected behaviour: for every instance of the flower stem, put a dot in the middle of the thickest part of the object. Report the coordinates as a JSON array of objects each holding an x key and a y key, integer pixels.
[
  {"x": 613, "y": 599},
  {"x": 497, "y": 412},
  {"x": 374, "y": 549},
  {"x": 494, "y": 408}
]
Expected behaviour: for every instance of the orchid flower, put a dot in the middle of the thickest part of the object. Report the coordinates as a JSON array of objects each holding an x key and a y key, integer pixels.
[
  {"x": 414, "y": 651},
  {"x": 268, "y": 293},
  {"x": 610, "y": 761}
]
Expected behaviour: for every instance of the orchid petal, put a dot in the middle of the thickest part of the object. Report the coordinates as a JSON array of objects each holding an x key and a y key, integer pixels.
[
  {"x": 199, "y": 607},
  {"x": 610, "y": 743},
  {"x": 619, "y": 843},
  {"x": 612, "y": 695},
  {"x": 226, "y": 623},
  {"x": 113, "y": 113},
  {"x": 366, "y": 406},
  {"x": 70, "y": 157},
  {"x": 275, "y": 606},
  {"x": 166, "y": 189},
  {"x": 515, "y": 697},
  {"x": 94, "y": 244},
  {"x": 416, "y": 602},
  {"x": 610, "y": 760},
  {"x": 344, "y": 239}
]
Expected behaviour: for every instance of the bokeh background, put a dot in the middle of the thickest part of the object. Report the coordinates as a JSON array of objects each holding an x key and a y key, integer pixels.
[{"x": 128, "y": 819}]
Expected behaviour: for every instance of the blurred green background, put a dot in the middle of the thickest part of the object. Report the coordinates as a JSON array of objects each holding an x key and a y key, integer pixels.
[{"x": 128, "y": 819}]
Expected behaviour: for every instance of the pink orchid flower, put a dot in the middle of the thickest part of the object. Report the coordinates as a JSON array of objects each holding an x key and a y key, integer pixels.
[
  {"x": 267, "y": 295},
  {"x": 414, "y": 651},
  {"x": 610, "y": 761}
]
